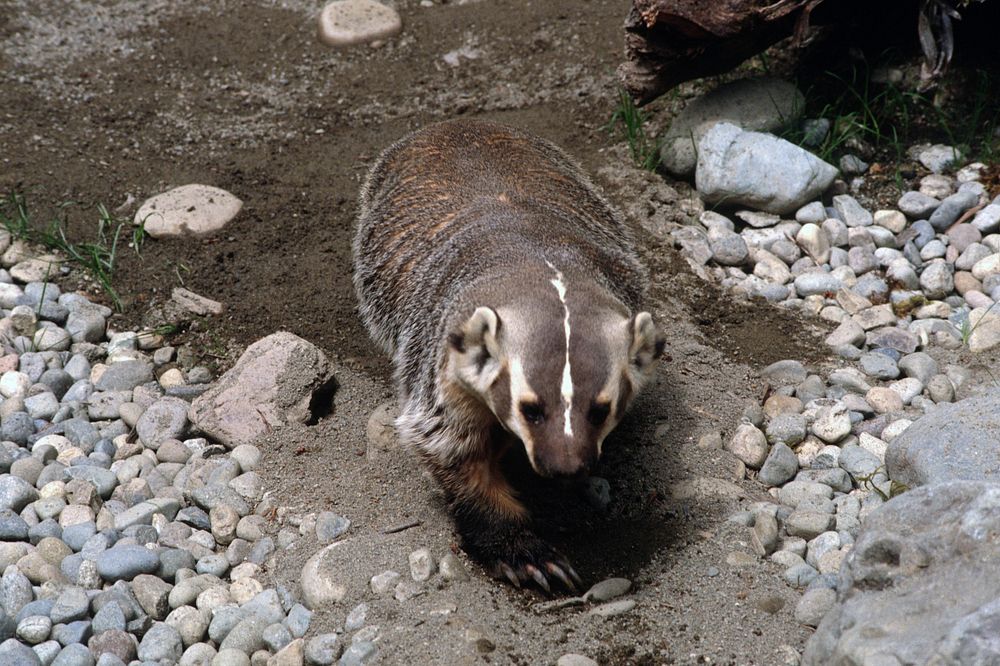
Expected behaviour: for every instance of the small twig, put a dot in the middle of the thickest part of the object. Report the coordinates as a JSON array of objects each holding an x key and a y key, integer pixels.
[{"x": 402, "y": 526}]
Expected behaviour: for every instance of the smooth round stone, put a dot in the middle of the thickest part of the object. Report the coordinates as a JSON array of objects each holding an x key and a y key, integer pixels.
[
  {"x": 879, "y": 366},
  {"x": 74, "y": 654},
  {"x": 161, "y": 643},
  {"x": 813, "y": 606},
  {"x": 34, "y": 629},
  {"x": 231, "y": 657},
  {"x": 323, "y": 649},
  {"x": 350, "y": 22},
  {"x": 749, "y": 445},
  {"x": 809, "y": 284},
  {"x": 189, "y": 210},
  {"x": 780, "y": 466},
  {"x": 608, "y": 589},
  {"x": 216, "y": 565},
  {"x": 126, "y": 562}
]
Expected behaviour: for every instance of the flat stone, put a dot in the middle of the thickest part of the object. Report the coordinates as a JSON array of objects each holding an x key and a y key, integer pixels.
[
  {"x": 189, "y": 210},
  {"x": 350, "y": 22}
]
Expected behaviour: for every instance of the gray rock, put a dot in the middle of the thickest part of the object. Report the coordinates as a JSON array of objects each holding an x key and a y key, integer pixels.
[
  {"x": 110, "y": 616},
  {"x": 728, "y": 158},
  {"x": 780, "y": 466},
  {"x": 951, "y": 208},
  {"x": 359, "y": 652},
  {"x": 916, "y": 205},
  {"x": 246, "y": 635},
  {"x": 785, "y": 373},
  {"x": 811, "y": 284},
  {"x": 809, "y": 524},
  {"x": 987, "y": 221},
  {"x": 330, "y": 526},
  {"x": 760, "y": 105},
  {"x": 323, "y": 649},
  {"x": 15, "y": 591},
  {"x": 74, "y": 655},
  {"x": 728, "y": 248},
  {"x": 73, "y": 604},
  {"x": 851, "y": 212},
  {"x": 15, "y": 653},
  {"x": 164, "y": 419},
  {"x": 939, "y": 158},
  {"x": 952, "y": 441},
  {"x": 800, "y": 575},
  {"x": 161, "y": 643},
  {"x": 879, "y": 366},
  {"x": 126, "y": 562},
  {"x": 125, "y": 376},
  {"x": 814, "y": 605},
  {"x": 103, "y": 479},
  {"x": 921, "y": 583},
  {"x": 787, "y": 428}
]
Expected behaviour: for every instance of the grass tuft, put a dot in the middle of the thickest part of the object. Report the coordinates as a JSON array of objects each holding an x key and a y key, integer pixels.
[
  {"x": 98, "y": 256},
  {"x": 630, "y": 122}
]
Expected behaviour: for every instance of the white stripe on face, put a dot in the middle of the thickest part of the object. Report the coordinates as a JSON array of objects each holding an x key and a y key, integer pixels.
[{"x": 567, "y": 378}]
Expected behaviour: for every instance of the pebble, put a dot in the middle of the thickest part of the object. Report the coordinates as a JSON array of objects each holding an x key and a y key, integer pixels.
[
  {"x": 345, "y": 23},
  {"x": 608, "y": 589},
  {"x": 749, "y": 445},
  {"x": 813, "y": 606}
]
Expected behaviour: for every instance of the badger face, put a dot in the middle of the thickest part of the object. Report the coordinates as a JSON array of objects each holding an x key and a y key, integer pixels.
[{"x": 559, "y": 373}]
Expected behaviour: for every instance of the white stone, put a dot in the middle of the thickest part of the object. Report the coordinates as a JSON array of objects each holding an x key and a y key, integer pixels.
[
  {"x": 814, "y": 242},
  {"x": 832, "y": 423},
  {"x": 985, "y": 326},
  {"x": 893, "y": 220},
  {"x": 350, "y": 22},
  {"x": 731, "y": 160},
  {"x": 986, "y": 267},
  {"x": 189, "y": 210}
]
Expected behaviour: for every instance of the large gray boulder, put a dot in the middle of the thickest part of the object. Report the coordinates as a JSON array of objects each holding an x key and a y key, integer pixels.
[
  {"x": 273, "y": 383},
  {"x": 922, "y": 583},
  {"x": 757, "y": 170},
  {"x": 761, "y": 105},
  {"x": 952, "y": 441}
]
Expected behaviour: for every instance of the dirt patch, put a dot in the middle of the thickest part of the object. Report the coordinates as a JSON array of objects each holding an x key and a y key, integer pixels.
[{"x": 169, "y": 96}]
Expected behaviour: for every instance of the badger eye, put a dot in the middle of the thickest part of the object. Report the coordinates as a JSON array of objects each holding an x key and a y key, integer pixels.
[
  {"x": 533, "y": 412},
  {"x": 598, "y": 413}
]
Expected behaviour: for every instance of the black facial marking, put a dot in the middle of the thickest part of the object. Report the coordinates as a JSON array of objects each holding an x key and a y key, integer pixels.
[
  {"x": 533, "y": 412},
  {"x": 457, "y": 341},
  {"x": 598, "y": 413},
  {"x": 481, "y": 359}
]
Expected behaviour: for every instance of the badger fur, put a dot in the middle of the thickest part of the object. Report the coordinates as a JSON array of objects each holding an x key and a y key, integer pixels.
[{"x": 506, "y": 290}]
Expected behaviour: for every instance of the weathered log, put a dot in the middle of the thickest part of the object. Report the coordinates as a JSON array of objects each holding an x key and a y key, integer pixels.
[{"x": 671, "y": 41}]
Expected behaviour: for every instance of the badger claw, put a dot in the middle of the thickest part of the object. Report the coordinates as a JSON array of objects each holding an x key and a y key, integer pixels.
[
  {"x": 507, "y": 571},
  {"x": 526, "y": 559},
  {"x": 539, "y": 577},
  {"x": 555, "y": 570}
]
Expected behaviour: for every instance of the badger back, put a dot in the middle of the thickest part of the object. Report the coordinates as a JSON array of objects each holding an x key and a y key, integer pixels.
[{"x": 463, "y": 201}]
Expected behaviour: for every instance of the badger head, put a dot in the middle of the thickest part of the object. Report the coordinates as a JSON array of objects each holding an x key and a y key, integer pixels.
[{"x": 558, "y": 373}]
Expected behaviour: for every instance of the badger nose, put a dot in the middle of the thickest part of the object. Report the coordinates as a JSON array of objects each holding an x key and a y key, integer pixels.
[{"x": 570, "y": 462}]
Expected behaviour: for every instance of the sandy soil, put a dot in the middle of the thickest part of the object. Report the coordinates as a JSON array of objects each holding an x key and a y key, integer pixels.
[{"x": 102, "y": 101}]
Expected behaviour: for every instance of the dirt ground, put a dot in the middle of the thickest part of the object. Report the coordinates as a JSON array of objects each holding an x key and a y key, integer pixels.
[{"x": 113, "y": 102}]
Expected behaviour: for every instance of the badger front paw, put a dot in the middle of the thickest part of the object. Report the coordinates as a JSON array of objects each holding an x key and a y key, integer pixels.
[{"x": 523, "y": 558}]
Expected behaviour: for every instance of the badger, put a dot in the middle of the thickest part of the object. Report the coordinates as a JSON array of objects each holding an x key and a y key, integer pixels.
[{"x": 506, "y": 291}]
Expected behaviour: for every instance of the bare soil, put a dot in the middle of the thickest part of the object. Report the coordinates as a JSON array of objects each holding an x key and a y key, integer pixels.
[{"x": 101, "y": 102}]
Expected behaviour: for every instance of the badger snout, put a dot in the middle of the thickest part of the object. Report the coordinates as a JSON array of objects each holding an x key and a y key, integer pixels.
[{"x": 562, "y": 460}]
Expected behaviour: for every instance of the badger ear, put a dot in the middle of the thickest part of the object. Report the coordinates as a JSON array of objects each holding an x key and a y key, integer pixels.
[
  {"x": 647, "y": 343},
  {"x": 475, "y": 354}
]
